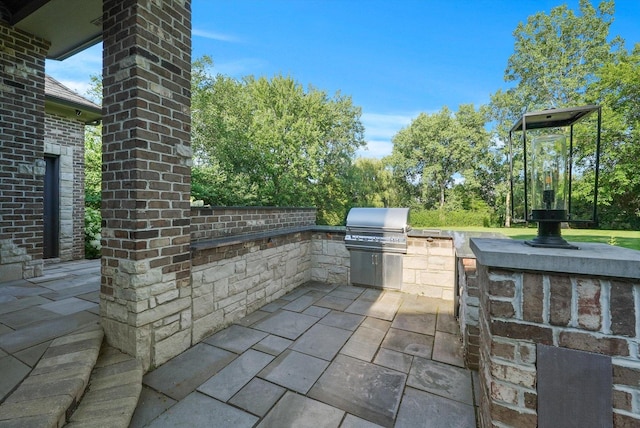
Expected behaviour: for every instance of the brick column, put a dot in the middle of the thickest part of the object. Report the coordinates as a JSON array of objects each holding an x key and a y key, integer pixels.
[
  {"x": 578, "y": 303},
  {"x": 145, "y": 292},
  {"x": 21, "y": 155},
  {"x": 469, "y": 310}
]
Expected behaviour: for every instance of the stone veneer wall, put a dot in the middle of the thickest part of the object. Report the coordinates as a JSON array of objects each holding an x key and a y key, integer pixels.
[
  {"x": 232, "y": 277},
  {"x": 22, "y": 58},
  {"x": 217, "y": 222},
  {"x": 231, "y": 280},
  {"x": 330, "y": 260},
  {"x": 521, "y": 308},
  {"x": 64, "y": 138},
  {"x": 429, "y": 266}
]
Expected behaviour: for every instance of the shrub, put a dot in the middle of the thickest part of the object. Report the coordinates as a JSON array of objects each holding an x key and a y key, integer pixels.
[
  {"x": 92, "y": 230},
  {"x": 443, "y": 218}
]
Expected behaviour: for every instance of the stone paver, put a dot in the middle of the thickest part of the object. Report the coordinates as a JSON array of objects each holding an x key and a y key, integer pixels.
[
  {"x": 316, "y": 311},
  {"x": 258, "y": 396},
  {"x": 342, "y": 320},
  {"x": 321, "y": 341},
  {"x": 68, "y": 306},
  {"x": 297, "y": 411},
  {"x": 236, "y": 338},
  {"x": 441, "y": 379},
  {"x": 447, "y": 348},
  {"x": 198, "y": 410},
  {"x": 228, "y": 381},
  {"x": 334, "y": 302},
  {"x": 409, "y": 342},
  {"x": 383, "y": 307},
  {"x": 286, "y": 324},
  {"x": 13, "y": 371},
  {"x": 366, "y": 390},
  {"x": 416, "y": 322},
  {"x": 394, "y": 360},
  {"x": 351, "y": 421},
  {"x": 150, "y": 405},
  {"x": 183, "y": 374},
  {"x": 364, "y": 343},
  {"x": 295, "y": 371},
  {"x": 274, "y": 306},
  {"x": 421, "y": 409},
  {"x": 301, "y": 303},
  {"x": 43, "y": 331},
  {"x": 253, "y": 318},
  {"x": 21, "y": 319},
  {"x": 273, "y": 345}
]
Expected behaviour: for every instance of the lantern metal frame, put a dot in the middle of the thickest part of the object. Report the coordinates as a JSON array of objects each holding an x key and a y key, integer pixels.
[{"x": 549, "y": 228}]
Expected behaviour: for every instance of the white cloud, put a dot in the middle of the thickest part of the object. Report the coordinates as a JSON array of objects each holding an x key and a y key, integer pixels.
[
  {"x": 375, "y": 149},
  {"x": 215, "y": 36},
  {"x": 380, "y": 129},
  {"x": 240, "y": 68},
  {"x": 75, "y": 72},
  {"x": 385, "y": 126}
]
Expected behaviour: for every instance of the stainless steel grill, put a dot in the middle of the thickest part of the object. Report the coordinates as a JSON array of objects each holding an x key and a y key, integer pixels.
[{"x": 376, "y": 239}]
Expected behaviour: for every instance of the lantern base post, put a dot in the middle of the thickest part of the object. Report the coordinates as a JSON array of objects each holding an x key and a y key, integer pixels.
[{"x": 549, "y": 229}]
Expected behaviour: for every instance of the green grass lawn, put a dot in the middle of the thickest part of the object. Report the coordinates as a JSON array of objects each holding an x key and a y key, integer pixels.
[{"x": 621, "y": 238}]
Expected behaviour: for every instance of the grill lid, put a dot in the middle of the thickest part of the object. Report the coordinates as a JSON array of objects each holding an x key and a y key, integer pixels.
[{"x": 388, "y": 219}]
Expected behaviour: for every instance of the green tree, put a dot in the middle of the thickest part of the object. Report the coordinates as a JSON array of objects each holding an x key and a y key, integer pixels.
[
  {"x": 618, "y": 90},
  {"x": 556, "y": 56},
  {"x": 372, "y": 185},
  {"x": 93, "y": 166},
  {"x": 556, "y": 59},
  {"x": 93, "y": 151},
  {"x": 283, "y": 145},
  {"x": 437, "y": 151}
]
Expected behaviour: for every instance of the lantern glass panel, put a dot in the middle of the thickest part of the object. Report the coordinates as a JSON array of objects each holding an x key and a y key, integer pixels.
[{"x": 549, "y": 173}]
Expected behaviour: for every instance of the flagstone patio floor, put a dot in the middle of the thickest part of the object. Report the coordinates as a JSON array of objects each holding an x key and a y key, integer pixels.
[{"x": 321, "y": 356}]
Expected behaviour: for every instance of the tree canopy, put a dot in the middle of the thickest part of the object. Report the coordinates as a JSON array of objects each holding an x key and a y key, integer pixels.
[
  {"x": 567, "y": 59},
  {"x": 435, "y": 151},
  {"x": 271, "y": 141},
  {"x": 263, "y": 141}
]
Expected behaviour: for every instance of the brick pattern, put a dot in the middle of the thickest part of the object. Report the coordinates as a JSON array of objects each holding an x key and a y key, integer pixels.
[
  {"x": 231, "y": 281},
  {"x": 331, "y": 261},
  {"x": 428, "y": 268},
  {"x": 521, "y": 309},
  {"x": 145, "y": 290},
  {"x": 219, "y": 222},
  {"x": 64, "y": 138},
  {"x": 469, "y": 305},
  {"x": 22, "y": 58}
]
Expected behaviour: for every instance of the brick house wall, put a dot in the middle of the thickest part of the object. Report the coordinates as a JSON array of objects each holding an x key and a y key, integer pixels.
[{"x": 22, "y": 60}]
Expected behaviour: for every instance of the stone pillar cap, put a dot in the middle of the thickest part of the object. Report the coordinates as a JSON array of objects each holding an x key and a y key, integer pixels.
[{"x": 591, "y": 259}]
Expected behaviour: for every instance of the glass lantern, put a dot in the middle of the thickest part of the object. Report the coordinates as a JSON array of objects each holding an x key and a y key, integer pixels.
[{"x": 547, "y": 175}]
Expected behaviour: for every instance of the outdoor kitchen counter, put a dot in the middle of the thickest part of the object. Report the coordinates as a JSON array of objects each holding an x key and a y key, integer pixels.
[{"x": 249, "y": 237}]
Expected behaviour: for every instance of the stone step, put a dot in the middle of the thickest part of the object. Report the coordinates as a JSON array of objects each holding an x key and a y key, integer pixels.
[
  {"x": 56, "y": 384},
  {"x": 112, "y": 394}
]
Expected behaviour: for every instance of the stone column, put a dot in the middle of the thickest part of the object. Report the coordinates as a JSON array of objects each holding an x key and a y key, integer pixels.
[
  {"x": 581, "y": 306},
  {"x": 22, "y": 58},
  {"x": 145, "y": 294}
]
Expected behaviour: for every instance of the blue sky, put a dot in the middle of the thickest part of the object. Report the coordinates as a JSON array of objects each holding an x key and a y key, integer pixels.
[{"x": 395, "y": 58}]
